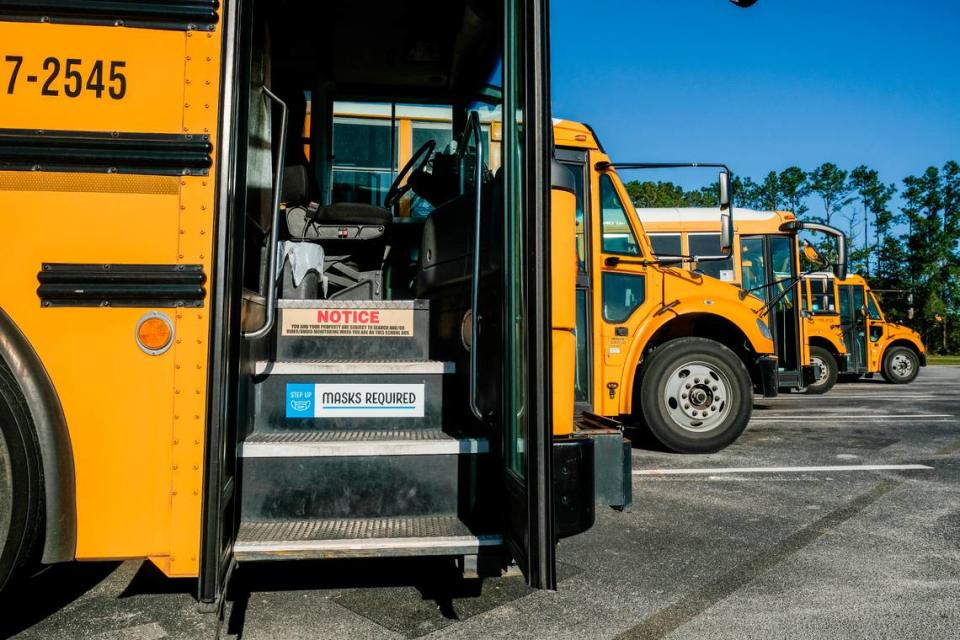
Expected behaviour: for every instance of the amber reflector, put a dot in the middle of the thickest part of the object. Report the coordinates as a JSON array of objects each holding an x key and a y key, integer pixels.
[{"x": 154, "y": 334}]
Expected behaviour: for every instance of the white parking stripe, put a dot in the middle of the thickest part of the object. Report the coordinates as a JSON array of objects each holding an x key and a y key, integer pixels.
[
  {"x": 841, "y": 396},
  {"x": 719, "y": 470},
  {"x": 860, "y": 416}
]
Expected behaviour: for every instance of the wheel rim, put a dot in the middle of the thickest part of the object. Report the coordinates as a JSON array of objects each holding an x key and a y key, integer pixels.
[
  {"x": 824, "y": 374},
  {"x": 6, "y": 492},
  {"x": 901, "y": 365},
  {"x": 697, "y": 396}
]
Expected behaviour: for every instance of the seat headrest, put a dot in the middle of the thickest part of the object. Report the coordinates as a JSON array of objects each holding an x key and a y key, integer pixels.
[
  {"x": 296, "y": 184},
  {"x": 354, "y": 213}
]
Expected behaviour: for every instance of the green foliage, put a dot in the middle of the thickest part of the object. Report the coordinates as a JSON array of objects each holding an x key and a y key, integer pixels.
[
  {"x": 648, "y": 194},
  {"x": 829, "y": 183},
  {"x": 794, "y": 189}
]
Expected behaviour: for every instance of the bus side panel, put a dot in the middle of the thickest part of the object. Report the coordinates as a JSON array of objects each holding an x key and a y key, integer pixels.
[{"x": 136, "y": 420}]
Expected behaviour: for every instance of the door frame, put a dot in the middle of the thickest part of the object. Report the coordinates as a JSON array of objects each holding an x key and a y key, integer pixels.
[
  {"x": 578, "y": 160},
  {"x": 219, "y": 514},
  {"x": 529, "y": 531}
]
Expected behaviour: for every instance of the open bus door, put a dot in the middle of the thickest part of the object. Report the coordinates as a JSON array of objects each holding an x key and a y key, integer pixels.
[
  {"x": 508, "y": 333},
  {"x": 853, "y": 323}
]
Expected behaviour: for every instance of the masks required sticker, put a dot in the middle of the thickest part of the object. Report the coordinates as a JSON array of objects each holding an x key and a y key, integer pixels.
[
  {"x": 355, "y": 401},
  {"x": 375, "y": 323}
]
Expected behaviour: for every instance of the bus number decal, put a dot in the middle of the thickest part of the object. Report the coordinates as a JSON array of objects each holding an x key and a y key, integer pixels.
[{"x": 72, "y": 77}]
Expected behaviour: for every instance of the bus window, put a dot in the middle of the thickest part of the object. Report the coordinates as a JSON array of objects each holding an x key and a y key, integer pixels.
[
  {"x": 666, "y": 244},
  {"x": 873, "y": 309},
  {"x": 577, "y": 171},
  {"x": 622, "y": 294},
  {"x": 363, "y": 163},
  {"x": 752, "y": 268},
  {"x": 708, "y": 244},
  {"x": 617, "y": 235},
  {"x": 821, "y": 295}
]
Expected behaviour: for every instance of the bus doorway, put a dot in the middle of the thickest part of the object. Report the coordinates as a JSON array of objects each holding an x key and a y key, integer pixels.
[
  {"x": 393, "y": 396},
  {"x": 769, "y": 270},
  {"x": 853, "y": 323}
]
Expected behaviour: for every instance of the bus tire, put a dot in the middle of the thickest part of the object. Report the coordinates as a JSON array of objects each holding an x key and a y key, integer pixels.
[
  {"x": 828, "y": 368},
  {"x": 696, "y": 395},
  {"x": 21, "y": 483},
  {"x": 900, "y": 365}
]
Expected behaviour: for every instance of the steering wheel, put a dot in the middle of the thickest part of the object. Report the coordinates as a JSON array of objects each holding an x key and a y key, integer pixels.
[{"x": 401, "y": 185}]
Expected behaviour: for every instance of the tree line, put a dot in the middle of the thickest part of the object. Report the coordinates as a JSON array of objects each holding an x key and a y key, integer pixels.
[{"x": 908, "y": 251}]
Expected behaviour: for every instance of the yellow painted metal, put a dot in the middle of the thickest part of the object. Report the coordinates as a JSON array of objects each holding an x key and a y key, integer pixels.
[
  {"x": 563, "y": 286},
  {"x": 153, "y": 66},
  {"x": 136, "y": 421},
  {"x": 672, "y": 296},
  {"x": 826, "y": 327},
  {"x": 763, "y": 223}
]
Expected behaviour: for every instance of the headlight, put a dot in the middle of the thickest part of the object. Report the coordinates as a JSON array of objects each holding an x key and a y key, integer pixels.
[{"x": 764, "y": 329}]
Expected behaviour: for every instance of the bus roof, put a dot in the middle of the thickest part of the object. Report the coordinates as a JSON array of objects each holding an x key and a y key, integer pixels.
[
  {"x": 707, "y": 214},
  {"x": 567, "y": 133}
]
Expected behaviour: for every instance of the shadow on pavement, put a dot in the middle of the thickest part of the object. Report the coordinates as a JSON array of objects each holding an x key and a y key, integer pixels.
[
  {"x": 48, "y": 592},
  {"x": 411, "y": 597}
]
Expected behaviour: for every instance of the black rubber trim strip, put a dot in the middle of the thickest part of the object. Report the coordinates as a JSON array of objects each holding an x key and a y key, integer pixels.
[
  {"x": 181, "y": 15},
  {"x": 121, "y": 285},
  {"x": 97, "y": 152}
]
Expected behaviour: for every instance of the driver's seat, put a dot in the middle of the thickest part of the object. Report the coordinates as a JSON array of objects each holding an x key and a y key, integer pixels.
[{"x": 353, "y": 236}]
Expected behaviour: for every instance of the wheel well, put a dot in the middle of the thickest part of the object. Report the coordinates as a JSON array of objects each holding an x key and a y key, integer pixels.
[
  {"x": 56, "y": 453},
  {"x": 705, "y": 325},
  {"x": 901, "y": 342},
  {"x": 823, "y": 343}
]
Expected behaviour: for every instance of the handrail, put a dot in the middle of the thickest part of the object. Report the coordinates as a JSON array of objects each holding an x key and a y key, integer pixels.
[
  {"x": 271, "y": 297},
  {"x": 475, "y": 288}
]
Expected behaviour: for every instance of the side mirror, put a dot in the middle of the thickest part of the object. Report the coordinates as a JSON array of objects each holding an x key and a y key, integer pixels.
[
  {"x": 840, "y": 269},
  {"x": 726, "y": 214}
]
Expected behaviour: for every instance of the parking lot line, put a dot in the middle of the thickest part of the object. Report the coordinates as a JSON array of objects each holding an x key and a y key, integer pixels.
[
  {"x": 816, "y": 417},
  {"x": 845, "y": 467},
  {"x": 889, "y": 396}
]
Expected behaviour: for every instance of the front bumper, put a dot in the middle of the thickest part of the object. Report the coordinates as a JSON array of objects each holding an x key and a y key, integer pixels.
[
  {"x": 809, "y": 373},
  {"x": 923, "y": 359},
  {"x": 843, "y": 362},
  {"x": 768, "y": 382}
]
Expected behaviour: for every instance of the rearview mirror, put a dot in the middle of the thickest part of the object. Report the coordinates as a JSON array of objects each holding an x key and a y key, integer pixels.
[
  {"x": 840, "y": 269},
  {"x": 726, "y": 214}
]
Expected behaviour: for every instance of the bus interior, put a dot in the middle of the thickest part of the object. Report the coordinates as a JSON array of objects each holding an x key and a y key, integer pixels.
[{"x": 387, "y": 408}]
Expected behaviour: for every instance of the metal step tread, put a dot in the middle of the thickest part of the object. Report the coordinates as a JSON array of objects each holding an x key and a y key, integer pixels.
[
  {"x": 360, "y": 537},
  {"x": 359, "y": 443},
  {"x": 353, "y": 367},
  {"x": 292, "y": 303}
]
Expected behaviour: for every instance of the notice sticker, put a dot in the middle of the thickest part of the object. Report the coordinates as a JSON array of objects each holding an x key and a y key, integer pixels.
[
  {"x": 726, "y": 275},
  {"x": 355, "y": 400},
  {"x": 361, "y": 323}
]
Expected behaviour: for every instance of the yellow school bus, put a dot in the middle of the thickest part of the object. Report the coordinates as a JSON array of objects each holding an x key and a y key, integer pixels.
[
  {"x": 845, "y": 318},
  {"x": 766, "y": 262},
  {"x": 212, "y": 352},
  {"x": 674, "y": 350}
]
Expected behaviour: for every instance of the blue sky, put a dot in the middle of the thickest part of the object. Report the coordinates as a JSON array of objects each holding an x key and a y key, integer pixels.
[{"x": 784, "y": 82}]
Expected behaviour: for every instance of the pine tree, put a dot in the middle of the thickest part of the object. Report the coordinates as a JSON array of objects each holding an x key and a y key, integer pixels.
[
  {"x": 829, "y": 182},
  {"x": 794, "y": 189}
]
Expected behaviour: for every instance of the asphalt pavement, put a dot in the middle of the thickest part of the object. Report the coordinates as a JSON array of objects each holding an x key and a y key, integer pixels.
[{"x": 834, "y": 516}]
